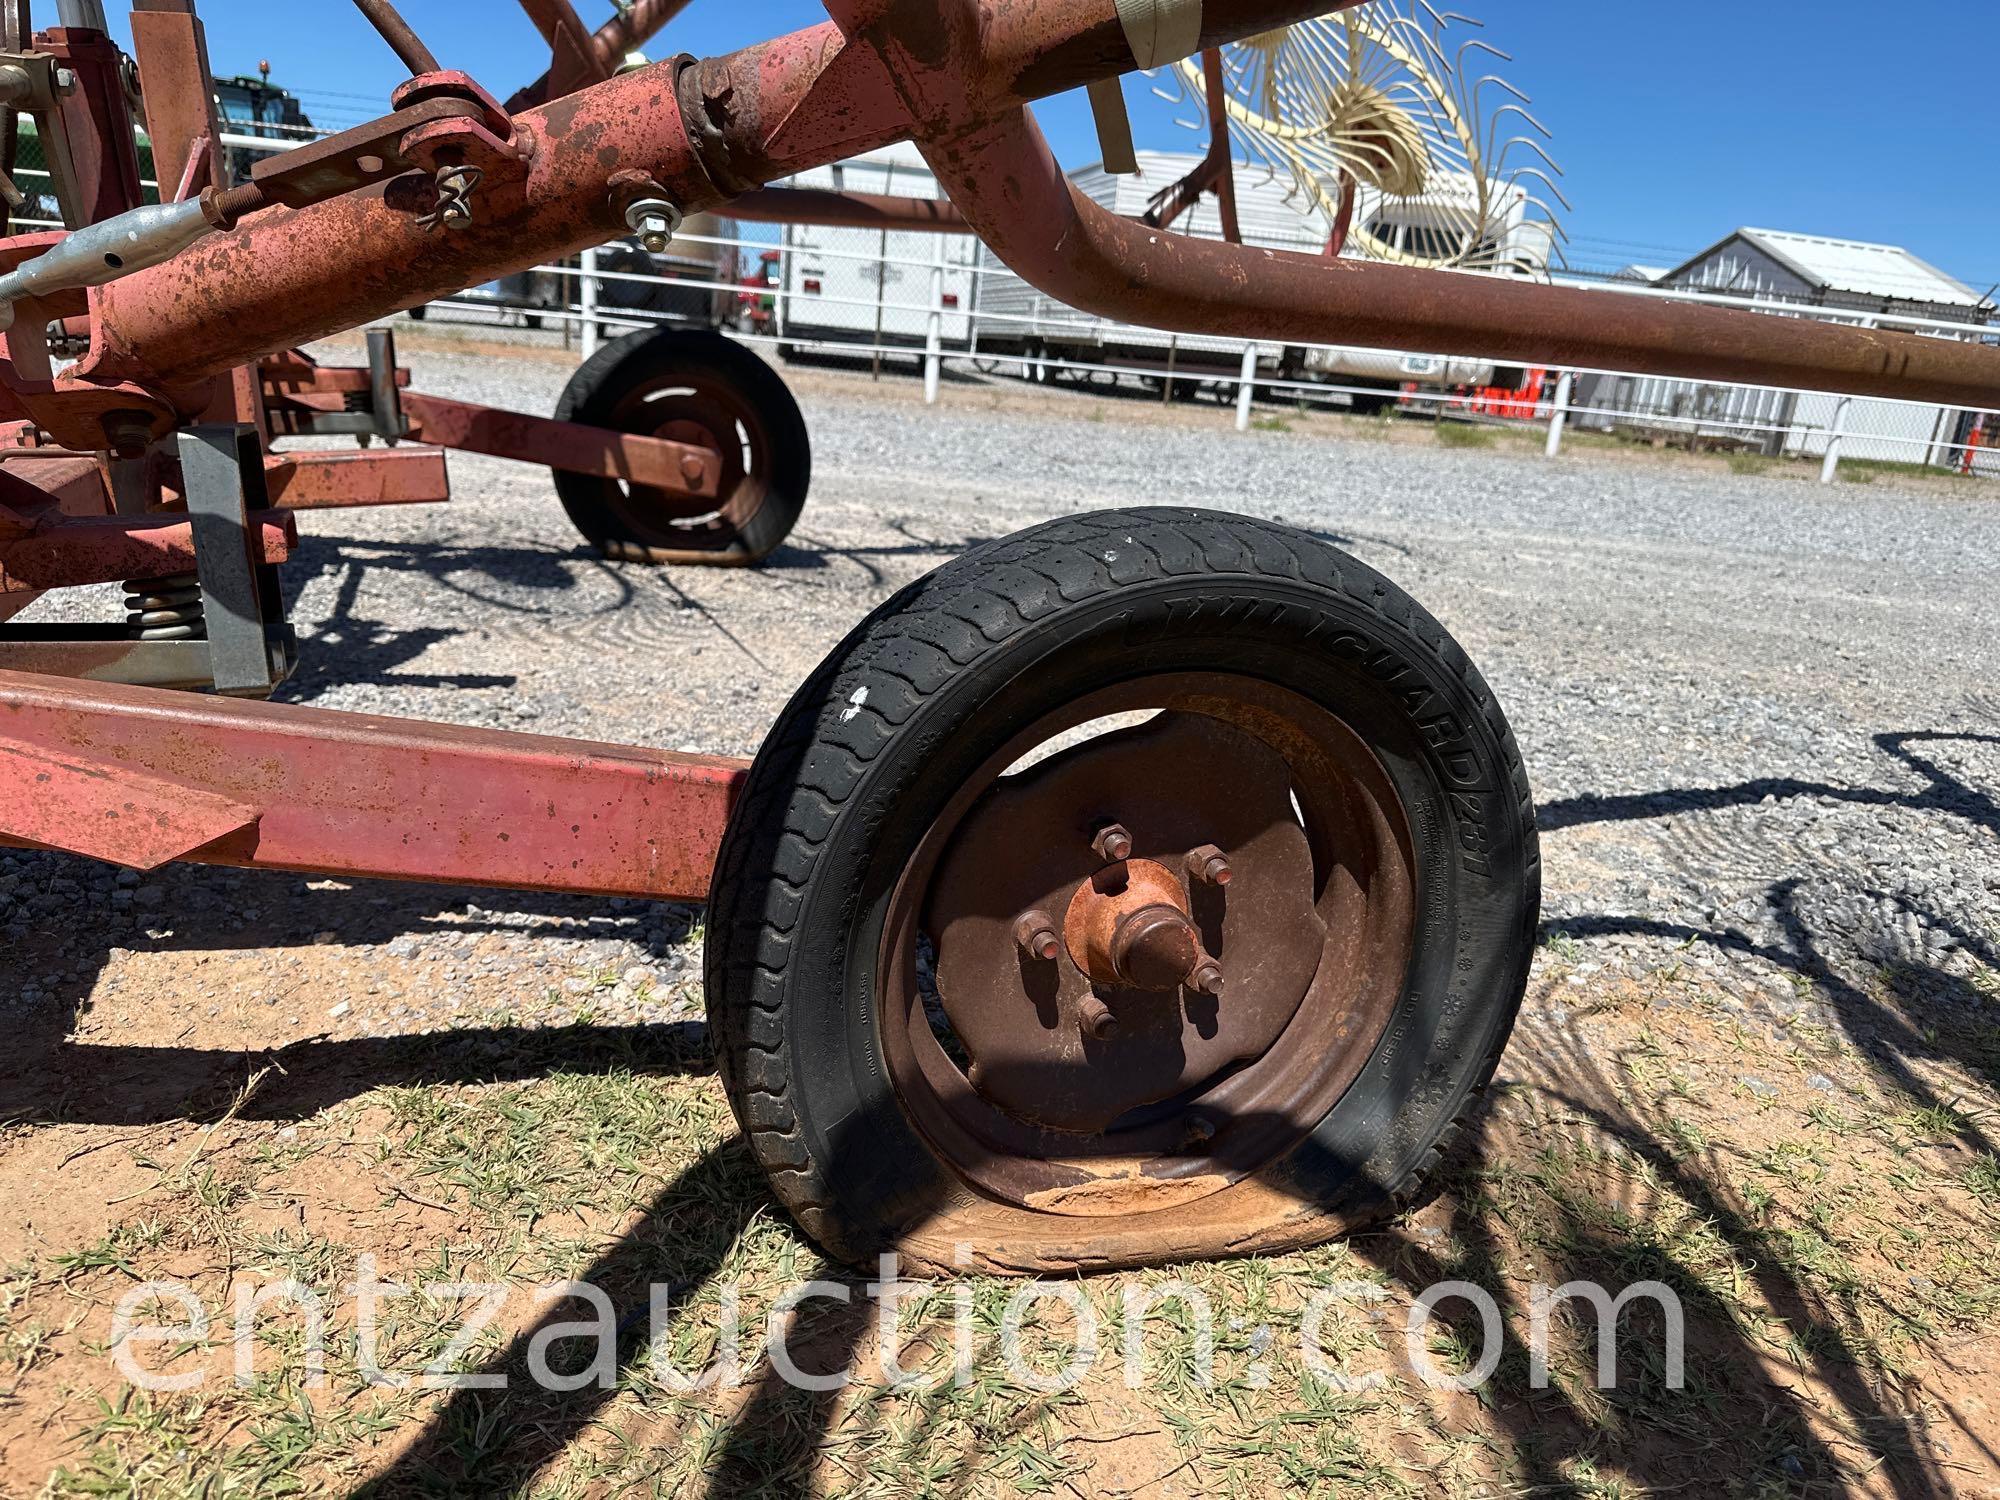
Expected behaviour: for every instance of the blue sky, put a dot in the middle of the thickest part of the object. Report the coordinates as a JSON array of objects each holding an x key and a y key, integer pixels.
[{"x": 1674, "y": 125}]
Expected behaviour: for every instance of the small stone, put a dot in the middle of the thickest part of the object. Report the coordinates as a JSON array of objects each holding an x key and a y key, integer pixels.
[
  {"x": 1757, "y": 1086},
  {"x": 337, "y": 1011}
]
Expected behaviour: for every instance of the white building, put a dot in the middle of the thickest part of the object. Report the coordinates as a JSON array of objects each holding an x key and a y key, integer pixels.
[{"x": 1804, "y": 270}]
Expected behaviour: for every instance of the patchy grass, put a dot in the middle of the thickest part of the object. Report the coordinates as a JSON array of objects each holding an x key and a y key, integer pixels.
[
  {"x": 1751, "y": 463},
  {"x": 1464, "y": 435},
  {"x": 1828, "y": 1247}
]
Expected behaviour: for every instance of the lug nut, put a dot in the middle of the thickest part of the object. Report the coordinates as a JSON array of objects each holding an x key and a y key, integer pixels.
[
  {"x": 1207, "y": 977},
  {"x": 1035, "y": 931},
  {"x": 1208, "y": 865},
  {"x": 1097, "y": 1020},
  {"x": 1112, "y": 844}
]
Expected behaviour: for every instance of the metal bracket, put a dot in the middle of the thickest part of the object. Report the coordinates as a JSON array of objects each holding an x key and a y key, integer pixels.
[
  {"x": 250, "y": 648},
  {"x": 385, "y": 394}
]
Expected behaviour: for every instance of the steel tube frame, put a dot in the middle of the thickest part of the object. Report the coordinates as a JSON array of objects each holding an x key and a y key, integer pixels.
[
  {"x": 144, "y": 777},
  {"x": 954, "y": 76}
]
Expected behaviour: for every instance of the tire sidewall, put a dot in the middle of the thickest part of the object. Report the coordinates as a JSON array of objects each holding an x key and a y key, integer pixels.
[
  {"x": 1378, "y": 669},
  {"x": 601, "y": 383}
]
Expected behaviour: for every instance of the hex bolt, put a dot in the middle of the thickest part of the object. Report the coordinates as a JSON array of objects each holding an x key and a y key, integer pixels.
[
  {"x": 65, "y": 81},
  {"x": 1097, "y": 1019},
  {"x": 1112, "y": 843},
  {"x": 1035, "y": 931},
  {"x": 1206, "y": 978},
  {"x": 655, "y": 221},
  {"x": 1208, "y": 865},
  {"x": 692, "y": 468}
]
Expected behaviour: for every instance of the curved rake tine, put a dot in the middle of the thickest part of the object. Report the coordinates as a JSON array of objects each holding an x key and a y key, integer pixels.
[
  {"x": 1521, "y": 110},
  {"x": 1532, "y": 144}
]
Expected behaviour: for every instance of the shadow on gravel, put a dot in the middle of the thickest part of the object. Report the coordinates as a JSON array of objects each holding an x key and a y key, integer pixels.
[
  {"x": 1946, "y": 793},
  {"x": 808, "y": 553},
  {"x": 46, "y": 1076},
  {"x": 128, "y": 1085},
  {"x": 1519, "y": 1195},
  {"x": 1916, "y": 1014},
  {"x": 349, "y": 647}
]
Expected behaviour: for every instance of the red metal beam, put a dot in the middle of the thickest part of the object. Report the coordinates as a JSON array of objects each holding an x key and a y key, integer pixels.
[
  {"x": 288, "y": 276},
  {"x": 1009, "y": 185},
  {"x": 171, "y": 50},
  {"x": 70, "y": 552},
  {"x": 142, "y": 777},
  {"x": 343, "y": 479},
  {"x": 682, "y": 470}
]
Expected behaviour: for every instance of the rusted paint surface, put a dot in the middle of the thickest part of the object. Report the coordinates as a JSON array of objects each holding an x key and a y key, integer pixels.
[
  {"x": 171, "y": 49},
  {"x": 69, "y": 552},
  {"x": 287, "y": 276},
  {"x": 1133, "y": 931},
  {"x": 57, "y": 801},
  {"x": 343, "y": 479},
  {"x": 953, "y": 75},
  {"x": 1003, "y": 176},
  {"x": 682, "y": 471},
  {"x": 626, "y": 31},
  {"x": 352, "y": 795}
]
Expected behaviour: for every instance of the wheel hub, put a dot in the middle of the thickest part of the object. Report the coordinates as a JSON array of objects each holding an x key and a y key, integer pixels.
[{"x": 1188, "y": 934}]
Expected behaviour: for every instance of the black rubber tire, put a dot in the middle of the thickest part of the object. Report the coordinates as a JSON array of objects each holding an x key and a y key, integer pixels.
[
  {"x": 939, "y": 678},
  {"x": 651, "y": 357},
  {"x": 1372, "y": 405}
]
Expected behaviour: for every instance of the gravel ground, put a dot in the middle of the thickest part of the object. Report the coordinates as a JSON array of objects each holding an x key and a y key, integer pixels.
[{"x": 1760, "y": 717}]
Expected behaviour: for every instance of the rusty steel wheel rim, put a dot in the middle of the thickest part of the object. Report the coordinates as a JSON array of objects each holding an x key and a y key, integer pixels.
[
  {"x": 1001, "y": 1028},
  {"x": 703, "y": 411}
]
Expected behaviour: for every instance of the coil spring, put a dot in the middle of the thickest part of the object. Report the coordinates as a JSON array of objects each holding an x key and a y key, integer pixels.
[{"x": 165, "y": 609}]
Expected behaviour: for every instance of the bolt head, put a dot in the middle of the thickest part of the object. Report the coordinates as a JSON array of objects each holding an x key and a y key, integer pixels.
[
  {"x": 1113, "y": 843},
  {"x": 1036, "y": 934},
  {"x": 65, "y": 80},
  {"x": 1208, "y": 865}
]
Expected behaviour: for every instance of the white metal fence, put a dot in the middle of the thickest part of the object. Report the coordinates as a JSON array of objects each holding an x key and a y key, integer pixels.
[{"x": 892, "y": 326}]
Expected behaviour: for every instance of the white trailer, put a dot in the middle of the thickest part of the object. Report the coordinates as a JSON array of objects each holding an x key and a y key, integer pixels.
[
  {"x": 869, "y": 287},
  {"x": 1014, "y": 320}
]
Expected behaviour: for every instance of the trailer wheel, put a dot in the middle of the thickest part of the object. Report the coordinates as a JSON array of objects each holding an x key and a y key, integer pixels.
[
  {"x": 694, "y": 386},
  {"x": 1151, "y": 885}
]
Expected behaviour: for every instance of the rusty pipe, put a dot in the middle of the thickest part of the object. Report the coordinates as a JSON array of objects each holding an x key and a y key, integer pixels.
[
  {"x": 1009, "y": 187},
  {"x": 399, "y": 34},
  {"x": 955, "y": 75},
  {"x": 825, "y": 209},
  {"x": 704, "y": 132},
  {"x": 633, "y": 27}
]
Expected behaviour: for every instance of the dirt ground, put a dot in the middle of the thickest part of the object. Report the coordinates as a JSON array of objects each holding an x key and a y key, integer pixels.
[{"x": 236, "y": 1080}]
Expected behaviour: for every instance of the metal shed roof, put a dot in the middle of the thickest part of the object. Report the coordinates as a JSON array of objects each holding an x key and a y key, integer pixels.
[{"x": 1863, "y": 269}]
